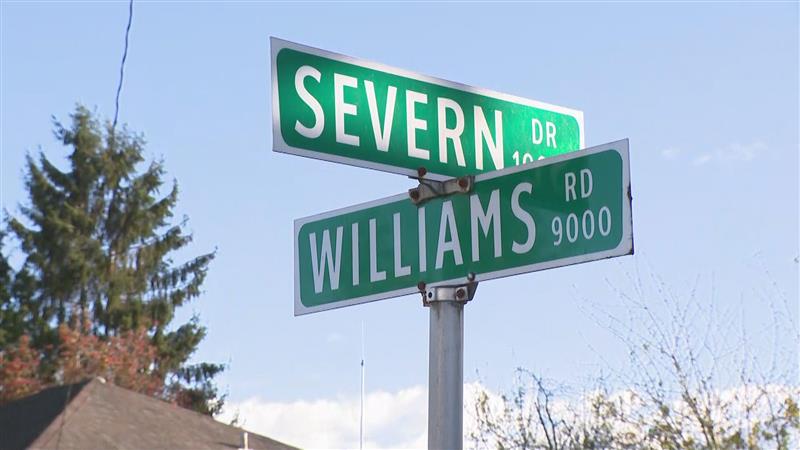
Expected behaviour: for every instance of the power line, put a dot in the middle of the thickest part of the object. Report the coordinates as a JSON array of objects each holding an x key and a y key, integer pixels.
[{"x": 122, "y": 65}]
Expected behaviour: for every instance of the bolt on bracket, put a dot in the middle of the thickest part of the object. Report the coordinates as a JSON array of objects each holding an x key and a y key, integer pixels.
[
  {"x": 429, "y": 189},
  {"x": 462, "y": 293}
]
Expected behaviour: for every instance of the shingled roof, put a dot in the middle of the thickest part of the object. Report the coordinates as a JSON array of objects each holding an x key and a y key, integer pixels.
[{"x": 95, "y": 414}]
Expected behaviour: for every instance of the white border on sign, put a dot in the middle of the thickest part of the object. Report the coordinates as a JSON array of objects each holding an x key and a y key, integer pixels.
[
  {"x": 280, "y": 145},
  {"x": 625, "y": 246}
]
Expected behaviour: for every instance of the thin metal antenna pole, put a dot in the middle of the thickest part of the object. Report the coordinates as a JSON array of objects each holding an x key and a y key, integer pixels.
[{"x": 361, "y": 422}]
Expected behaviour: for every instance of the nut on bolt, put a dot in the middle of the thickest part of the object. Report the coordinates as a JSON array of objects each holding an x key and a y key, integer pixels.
[
  {"x": 460, "y": 293},
  {"x": 463, "y": 183},
  {"x": 421, "y": 172},
  {"x": 414, "y": 194}
]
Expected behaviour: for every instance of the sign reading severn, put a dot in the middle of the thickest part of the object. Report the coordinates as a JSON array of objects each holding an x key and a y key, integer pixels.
[
  {"x": 563, "y": 210},
  {"x": 341, "y": 109}
]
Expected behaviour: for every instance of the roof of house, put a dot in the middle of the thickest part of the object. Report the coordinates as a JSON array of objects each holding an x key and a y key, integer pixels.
[{"x": 94, "y": 414}]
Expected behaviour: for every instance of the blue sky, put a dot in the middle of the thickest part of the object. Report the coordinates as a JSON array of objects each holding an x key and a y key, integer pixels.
[{"x": 707, "y": 94}]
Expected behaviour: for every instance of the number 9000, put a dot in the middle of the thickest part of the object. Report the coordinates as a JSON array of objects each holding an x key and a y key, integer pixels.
[{"x": 586, "y": 226}]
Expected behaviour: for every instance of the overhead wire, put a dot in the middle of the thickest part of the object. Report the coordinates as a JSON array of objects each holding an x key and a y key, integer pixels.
[{"x": 122, "y": 65}]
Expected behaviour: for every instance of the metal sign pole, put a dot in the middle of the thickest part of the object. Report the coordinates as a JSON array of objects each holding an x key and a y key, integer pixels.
[
  {"x": 445, "y": 375},
  {"x": 446, "y": 338},
  {"x": 446, "y": 364}
]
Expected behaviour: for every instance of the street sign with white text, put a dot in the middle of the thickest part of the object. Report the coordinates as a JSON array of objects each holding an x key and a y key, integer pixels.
[
  {"x": 563, "y": 210},
  {"x": 337, "y": 108}
]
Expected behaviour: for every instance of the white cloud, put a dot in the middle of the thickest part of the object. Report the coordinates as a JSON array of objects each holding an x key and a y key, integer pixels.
[
  {"x": 702, "y": 159},
  {"x": 334, "y": 337},
  {"x": 396, "y": 420},
  {"x": 735, "y": 152},
  {"x": 393, "y": 420},
  {"x": 670, "y": 152},
  {"x": 739, "y": 152}
]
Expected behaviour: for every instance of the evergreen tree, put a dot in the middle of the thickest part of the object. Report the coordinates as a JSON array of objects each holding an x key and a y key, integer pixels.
[
  {"x": 9, "y": 329},
  {"x": 97, "y": 241}
]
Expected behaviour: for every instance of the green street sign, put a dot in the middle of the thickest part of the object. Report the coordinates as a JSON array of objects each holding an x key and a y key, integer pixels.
[
  {"x": 568, "y": 209},
  {"x": 341, "y": 109}
]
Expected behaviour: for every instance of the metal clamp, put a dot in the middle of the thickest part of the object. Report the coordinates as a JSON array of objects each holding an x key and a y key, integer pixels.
[
  {"x": 429, "y": 189},
  {"x": 451, "y": 293}
]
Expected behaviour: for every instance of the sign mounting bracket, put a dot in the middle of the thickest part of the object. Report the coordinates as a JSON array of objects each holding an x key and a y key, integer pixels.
[
  {"x": 429, "y": 189},
  {"x": 461, "y": 293}
]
